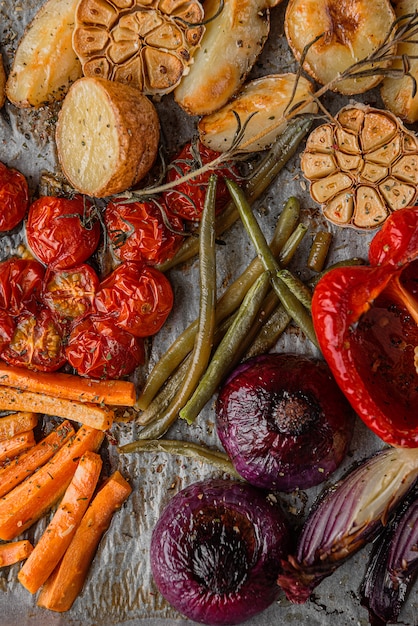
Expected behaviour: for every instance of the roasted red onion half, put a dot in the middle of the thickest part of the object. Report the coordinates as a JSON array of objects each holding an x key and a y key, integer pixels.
[
  {"x": 393, "y": 565},
  {"x": 284, "y": 421},
  {"x": 347, "y": 516},
  {"x": 216, "y": 550}
]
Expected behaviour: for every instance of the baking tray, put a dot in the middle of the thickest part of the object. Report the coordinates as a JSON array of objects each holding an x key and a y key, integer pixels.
[{"x": 119, "y": 589}]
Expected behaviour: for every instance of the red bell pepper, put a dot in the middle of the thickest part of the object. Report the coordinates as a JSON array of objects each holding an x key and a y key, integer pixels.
[{"x": 366, "y": 321}]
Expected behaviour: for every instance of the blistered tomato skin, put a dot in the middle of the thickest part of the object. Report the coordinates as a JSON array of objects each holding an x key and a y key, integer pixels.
[
  {"x": 14, "y": 197},
  {"x": 284, "y": 421},
  {"x": 20, "y": 285},
  {"x": 216, "y": 549},
  {"x": 69, "y": 293},
  {"x": 143, "y": 231},
  {"x": 62, "y": 232}
]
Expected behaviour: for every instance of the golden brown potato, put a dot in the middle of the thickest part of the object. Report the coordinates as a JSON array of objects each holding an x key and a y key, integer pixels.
[
  {"x": 45, "y": 63},
  {"x": 2, "y": 83},
  {"x": 107, "y": 136},
  {"x": 397, "y": 93},
  {"x": 338, "y": 33},
  {"x": 228, "y": 50},
  {"x": 263, "y": 102}
]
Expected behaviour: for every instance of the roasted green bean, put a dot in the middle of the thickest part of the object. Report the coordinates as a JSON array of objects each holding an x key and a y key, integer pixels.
[
  {"x": 297, "y": 287},
  {"x": 319, "y": 251}
]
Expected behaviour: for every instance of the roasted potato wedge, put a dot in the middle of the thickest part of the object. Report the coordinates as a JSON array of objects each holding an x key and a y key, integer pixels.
[
  {"x": 262, "y": 102},
  {"x": 2, "y": 83},
  {"x": 45, "y": 63},
  {"x": 228, "y": 50},
  {"x": 107, "y": 136},
  {"x": 398, "y": 93},
  {"x": 337, "y": 34}
]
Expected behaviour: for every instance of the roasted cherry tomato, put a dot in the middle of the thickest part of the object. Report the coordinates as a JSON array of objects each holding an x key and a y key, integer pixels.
[
  {"x": 140, "y": 298},
  {"x": 62, "y": 232},
  {"x": 187, "y": 198},
  {"x": 37, "y": 342},
  {"x": 7, "y": 328},
  {"x": 20, "y": 285},
  {"x": 143, "y": 231},
  {"x": 14, "y": 197},
  {"x": 70, "y": 293},
  {"x": 98, "y": 348}
]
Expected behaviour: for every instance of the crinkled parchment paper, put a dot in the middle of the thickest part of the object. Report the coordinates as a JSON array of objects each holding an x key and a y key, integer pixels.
[{"x": 119, "y": 588}]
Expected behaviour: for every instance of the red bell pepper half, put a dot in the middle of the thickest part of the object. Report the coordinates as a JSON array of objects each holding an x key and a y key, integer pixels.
[{"x": 366, "y": 321}]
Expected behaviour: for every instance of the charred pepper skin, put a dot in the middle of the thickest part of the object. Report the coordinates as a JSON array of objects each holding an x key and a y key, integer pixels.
[{"x": 365, "y": 319}]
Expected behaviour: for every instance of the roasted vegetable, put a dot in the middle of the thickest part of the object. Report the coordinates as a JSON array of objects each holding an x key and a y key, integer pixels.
[
  {"x": 107, "y": 136},
  {"x": 235, "y": 34},
  {"x": 283, "y": 421},
  {"x": 148, "y": 45},
  {"x": 45, "y": 63},
  {"x": 366, "y": 323},
  {"x": 260, "y": 106},
  {"x": 345, "y": 517},
  {"x": 3, "y": 79},
  {"x": 330, "y": 36},
  {"x": 362, "y": 167},
  {"x": 215, "y": 551}
]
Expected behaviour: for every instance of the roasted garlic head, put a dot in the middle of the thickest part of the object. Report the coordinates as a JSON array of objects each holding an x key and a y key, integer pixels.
[
  {"x": 147, "y": 43},
  {"x": 362, "y": 166}
]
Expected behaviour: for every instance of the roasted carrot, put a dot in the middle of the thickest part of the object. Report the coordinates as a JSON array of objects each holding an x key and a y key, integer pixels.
[
  {"x": 69, "y": 386},
  {"x": 27, "y": 502},
  {"x": 14, "y": 551},
  {"x": 10, "y": 448},
  {"x": 67, "y": 580},
  {"x": 26, "y": 463},
  {"x": 60, "y": 531},
  {"x": 16, "y": 423},
  {"x": 87, "y": 413}
]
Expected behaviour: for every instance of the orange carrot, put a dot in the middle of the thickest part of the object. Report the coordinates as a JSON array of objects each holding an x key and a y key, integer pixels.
[
  {"x": 69, "y": 386},
  {"x": 16, "y": 423},
  {"x": 14, "y": 552},
  {"x": 60, "y": 531},
  {"x": 10, "y": 448},
  {"x": 27, "y": 502},
  {"x": 87, "y": 413},
  {"x": 67, "y": 580},
  {"x": 25, "y": 464}
]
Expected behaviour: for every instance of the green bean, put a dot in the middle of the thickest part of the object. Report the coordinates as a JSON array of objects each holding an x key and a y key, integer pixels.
[
  {"x": 297, "y": 287},
  {"x": 319, "y": 251},
  {"x": 289, "y": 301},
  {"x": 228, "y": 303},
  {"x": 269, "y": 333},
  {"x": 276, "y": 158},
  {"x": 206, "y": 323},
  {"x": 229, "y": 350},
  {"x": 219, "y": 460},
  {"x": 289, "y": 249}
]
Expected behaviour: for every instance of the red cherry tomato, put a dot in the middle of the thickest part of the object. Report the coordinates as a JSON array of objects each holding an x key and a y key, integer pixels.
[
  {"x": 98, "y": 348},
  {"x": 139, "y": 297},
  {"x": 14, "y": 197},
  {"x": 70, "y": 293},
  {"x": 143, "y": 231},
  {"x": 7, "y": 328},
  {"x": 62, "y": 232},
  {"x": 20, "y": 285},
  {"x": 37, "y": 342},
  {"x": 187, "y": 198}
]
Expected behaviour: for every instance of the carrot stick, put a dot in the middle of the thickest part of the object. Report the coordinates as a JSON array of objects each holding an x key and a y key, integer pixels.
[
  {"x": 14, "y": 551},
  {"x": 25, "y": 464},
  {"x": 60, "y": 531},
  {"x": 67, "y": 580},
  {"x": 69, "y": 386},
  {"x": 16, "y": 423},
  {"x": 93, "y": 415},
  {"x": 30, "y": 500},
  {"x": 10, "y": 448}
]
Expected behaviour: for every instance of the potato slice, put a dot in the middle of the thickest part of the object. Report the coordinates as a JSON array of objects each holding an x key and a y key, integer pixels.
[
  {"x": 2, "y": 83},
  {"x": 228, "y": 50},
  {"x": 338, "y": 33},
  {"x": 107, "y": 136},
  {"x": 45, "y": 63},
  {"x": 397, "y": 93},
  {"x": 263, "y": 102}
]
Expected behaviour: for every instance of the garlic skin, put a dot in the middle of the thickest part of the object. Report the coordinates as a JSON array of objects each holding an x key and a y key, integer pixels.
[{"x": 346, "y": 517}]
